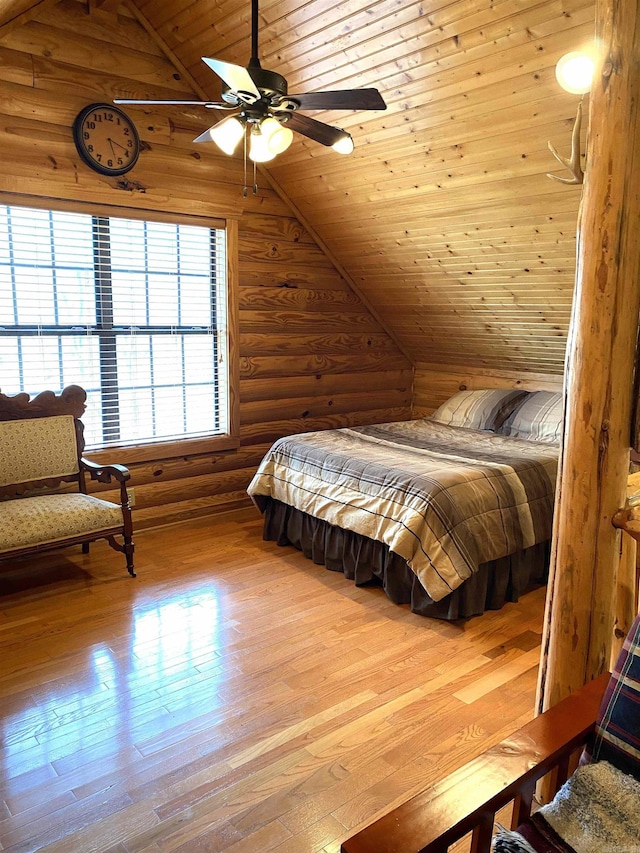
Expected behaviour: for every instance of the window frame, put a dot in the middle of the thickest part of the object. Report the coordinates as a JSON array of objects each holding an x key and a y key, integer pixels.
[{"x": 163, "y": 449}]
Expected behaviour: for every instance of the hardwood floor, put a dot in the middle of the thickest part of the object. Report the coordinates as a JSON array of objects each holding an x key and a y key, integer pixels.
[{"x": 233, "y": 696}]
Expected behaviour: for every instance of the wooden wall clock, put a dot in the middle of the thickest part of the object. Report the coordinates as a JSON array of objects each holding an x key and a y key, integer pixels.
[{"x": 106, "y": 139}]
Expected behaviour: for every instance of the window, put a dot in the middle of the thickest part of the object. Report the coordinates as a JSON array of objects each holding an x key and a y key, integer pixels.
[{"x": 133, "y": 311}]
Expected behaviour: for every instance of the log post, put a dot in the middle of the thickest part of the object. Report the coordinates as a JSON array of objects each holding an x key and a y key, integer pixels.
[{"x": 594, "y": 461}]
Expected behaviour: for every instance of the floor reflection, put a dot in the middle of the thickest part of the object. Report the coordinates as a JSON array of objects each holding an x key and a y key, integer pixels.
[{"x": 129, "y": 690}]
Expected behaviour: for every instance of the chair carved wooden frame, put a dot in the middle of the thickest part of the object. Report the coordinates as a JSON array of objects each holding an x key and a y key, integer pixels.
[{"x": 92, "y": 518}]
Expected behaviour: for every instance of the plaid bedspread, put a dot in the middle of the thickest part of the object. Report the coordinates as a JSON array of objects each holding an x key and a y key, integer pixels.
[{"x": 446, "y": 499}]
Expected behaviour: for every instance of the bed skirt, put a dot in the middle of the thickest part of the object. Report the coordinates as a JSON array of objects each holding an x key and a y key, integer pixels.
[{"x": 366, "y": 561}]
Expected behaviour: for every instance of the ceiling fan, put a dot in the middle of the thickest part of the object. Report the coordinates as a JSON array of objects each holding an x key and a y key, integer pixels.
[{"x": 266, "y": 112}]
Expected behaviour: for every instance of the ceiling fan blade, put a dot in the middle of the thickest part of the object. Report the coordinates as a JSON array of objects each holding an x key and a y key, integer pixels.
[
  {"x": 347, "y": 99},
  {"x": 320, "y": 132},
  {"x": 207, "y": 135},
  {"x": 236, "y": 77},
  {"x": 210, "y": 104}
]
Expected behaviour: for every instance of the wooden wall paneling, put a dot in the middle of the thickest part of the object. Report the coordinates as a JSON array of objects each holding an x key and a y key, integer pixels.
[
  {"x": 293, "y": 317},
  {"x": 15, "y": 67},
  {"x": 81, "y": 20},
  {"x": 266, "y": 274},
  {"x": 318, "y": 385},
  {"x": 101, "y": 55},
  {"x": 159, "y": 493},
  {"x": 179, "y": 470},
  {"x": 433, "y": 384},
  {"x": 170, "y": 513},
  {"x": 269, "y": 431},
  {"x": 317, "y": 344},
  {"x": 317, "y": 406},
  {"x": 16, "y": 13},
  {"x": 318, "y": 365},
  {"x": 290, "y": 298}
]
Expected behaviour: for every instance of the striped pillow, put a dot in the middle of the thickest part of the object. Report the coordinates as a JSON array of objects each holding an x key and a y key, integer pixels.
[
  {"x": 538, "y": 418},
  {"x": 617, "y": 735},
  {"x": 478, "y": 409}
]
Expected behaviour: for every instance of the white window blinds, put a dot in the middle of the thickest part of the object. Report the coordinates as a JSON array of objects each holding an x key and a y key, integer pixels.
[{"x": 133, "y": 311}]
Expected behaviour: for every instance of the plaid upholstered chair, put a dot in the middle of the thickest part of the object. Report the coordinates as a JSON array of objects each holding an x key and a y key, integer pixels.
[
  {"x": 596, "y": 808},
  {"x": 41, "y": 444}
]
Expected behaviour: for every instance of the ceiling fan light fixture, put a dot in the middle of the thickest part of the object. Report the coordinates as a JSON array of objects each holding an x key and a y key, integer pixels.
[
  {"x": 279, "y": 138},
  {"x": 259, "y": 151},
  {"x": 226, "y": 134},
  {"x": 344, "y": 145}
]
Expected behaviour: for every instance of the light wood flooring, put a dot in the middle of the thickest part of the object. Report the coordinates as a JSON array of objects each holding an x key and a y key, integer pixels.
[{"x": 233, "y": 696}]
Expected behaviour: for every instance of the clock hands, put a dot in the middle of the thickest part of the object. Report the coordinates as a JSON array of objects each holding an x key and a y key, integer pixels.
[{"x": 113, "y": 142}]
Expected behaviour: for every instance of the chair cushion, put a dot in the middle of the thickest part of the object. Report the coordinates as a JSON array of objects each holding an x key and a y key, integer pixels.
[
  {"x": 595, "y": 811},
  {"x": 617, "y": 734},
  {"x": 37, "y": 448},
  {"x": 46, "y": 519},
  {"x": 478, "y": 409}
]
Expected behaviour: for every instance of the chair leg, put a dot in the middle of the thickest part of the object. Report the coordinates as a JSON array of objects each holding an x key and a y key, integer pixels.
[
  {"x": 128, "y": 550},
  {"x": 85, "y": 547}
]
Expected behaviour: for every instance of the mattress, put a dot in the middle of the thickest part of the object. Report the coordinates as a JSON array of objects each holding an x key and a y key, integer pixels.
[{"x": 445, "y": 499}]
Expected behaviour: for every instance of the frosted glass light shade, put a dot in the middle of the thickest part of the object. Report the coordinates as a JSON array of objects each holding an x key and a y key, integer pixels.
[
  {"x": 574, "y": 72},
  {"x": 279, "y": 138},
  {"x": 226, "y": 134},
  {"x": 259, "y": 151},
  {"x": 344, "y": 145}
]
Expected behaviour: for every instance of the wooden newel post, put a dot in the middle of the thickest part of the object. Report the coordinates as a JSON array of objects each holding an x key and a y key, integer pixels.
[{"x": 594, "y": 462}]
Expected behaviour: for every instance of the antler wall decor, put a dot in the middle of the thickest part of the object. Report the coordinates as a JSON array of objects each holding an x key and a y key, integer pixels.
[{"x": 573, "y": 163}]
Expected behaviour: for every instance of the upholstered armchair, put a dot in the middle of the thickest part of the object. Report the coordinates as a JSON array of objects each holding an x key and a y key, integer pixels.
[{"x": 43, "y": 476}]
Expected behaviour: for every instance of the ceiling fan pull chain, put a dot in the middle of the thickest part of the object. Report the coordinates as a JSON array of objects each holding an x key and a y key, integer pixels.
[
  {"x": 245, "y": 189},
  {"x": 255, "y": 179}
]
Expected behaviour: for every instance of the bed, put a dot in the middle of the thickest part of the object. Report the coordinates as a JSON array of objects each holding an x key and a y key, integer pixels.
[{"x": 452, "y": 514}]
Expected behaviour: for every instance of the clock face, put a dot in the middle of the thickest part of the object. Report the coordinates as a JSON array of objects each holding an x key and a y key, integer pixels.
[{"x": 106, "y": 139}]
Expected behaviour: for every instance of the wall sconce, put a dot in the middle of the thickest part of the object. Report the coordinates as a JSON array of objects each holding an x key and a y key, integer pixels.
[{"x": 574, "y": 73}]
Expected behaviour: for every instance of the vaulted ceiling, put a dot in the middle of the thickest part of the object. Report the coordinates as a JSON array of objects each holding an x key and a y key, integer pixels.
[{"x": 443, "y": 216}]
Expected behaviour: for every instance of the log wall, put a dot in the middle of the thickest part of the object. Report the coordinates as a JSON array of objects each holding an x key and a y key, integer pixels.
[
  {"x": 310, "y": 353},
  {"x": 433, "y": 384}
]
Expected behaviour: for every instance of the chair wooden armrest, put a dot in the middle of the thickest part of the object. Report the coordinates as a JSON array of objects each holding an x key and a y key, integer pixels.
[
  {"x": 467, "y": 800},
  {"x": 104, "y": 473}
]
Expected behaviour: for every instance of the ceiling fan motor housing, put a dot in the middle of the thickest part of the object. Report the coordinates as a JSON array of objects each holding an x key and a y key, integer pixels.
[{"x": 270, "y": 84}]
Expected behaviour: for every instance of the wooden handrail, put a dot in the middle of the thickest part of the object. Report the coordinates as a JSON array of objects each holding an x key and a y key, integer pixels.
[{"x": 465, "y": 800}]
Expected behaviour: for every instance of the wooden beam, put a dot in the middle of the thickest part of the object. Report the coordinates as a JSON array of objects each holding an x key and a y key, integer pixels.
[
  {"x": 164, "y": 47},
  {"x": 594, "y": 463},
  {"x": 15, "y": 15},
  {"x": 110, "y": 6}
]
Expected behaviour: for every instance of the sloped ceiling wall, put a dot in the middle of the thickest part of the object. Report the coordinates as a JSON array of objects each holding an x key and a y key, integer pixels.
[{"x": 443, "y": 216}]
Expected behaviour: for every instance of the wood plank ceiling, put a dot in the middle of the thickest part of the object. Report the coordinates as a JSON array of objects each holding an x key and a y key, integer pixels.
[{"x": 443, "y": 215}]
